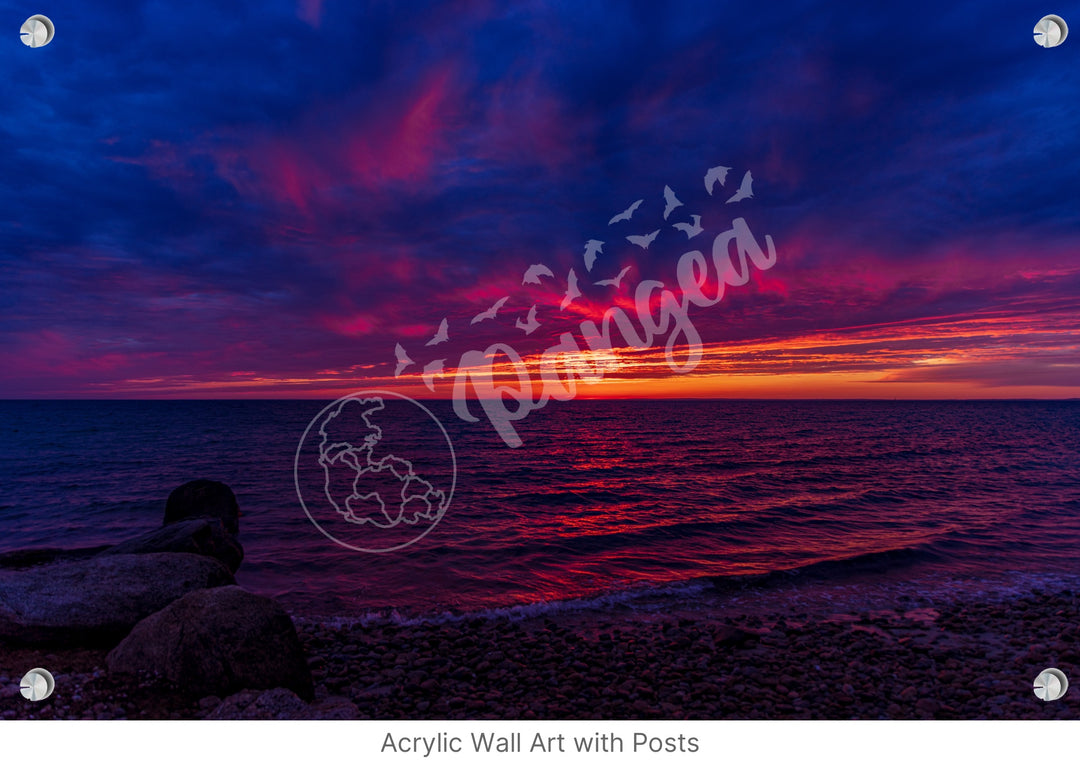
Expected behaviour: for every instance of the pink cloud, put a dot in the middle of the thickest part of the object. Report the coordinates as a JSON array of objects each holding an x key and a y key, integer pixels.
[
  {"x": 52, "y": 353},
  {"x": 393, "y": 137},
  {"x": 350, "y": 325},
  {"x": 527, "y": 120},
  {"x": 414, "y": 330},
  {"x": 310, "y": 11},
  {"x": 399, "y": 142}
]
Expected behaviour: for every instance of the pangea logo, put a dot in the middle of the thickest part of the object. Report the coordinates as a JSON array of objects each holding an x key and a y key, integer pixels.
[
  {"x": 507, "y": 386},
  {"x": 375, "y": 471},
  {"x": 367, "y": 472}
]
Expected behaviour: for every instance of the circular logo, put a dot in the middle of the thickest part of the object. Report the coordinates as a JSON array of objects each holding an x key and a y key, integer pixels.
[{"x": 375, "y": 471}]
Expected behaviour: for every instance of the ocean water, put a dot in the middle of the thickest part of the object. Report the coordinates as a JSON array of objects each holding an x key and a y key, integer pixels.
[{"x": 613, "y": 500}]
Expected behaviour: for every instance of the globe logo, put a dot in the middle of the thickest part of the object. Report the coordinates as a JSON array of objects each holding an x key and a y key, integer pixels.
[{"x": 375, "y": 471}]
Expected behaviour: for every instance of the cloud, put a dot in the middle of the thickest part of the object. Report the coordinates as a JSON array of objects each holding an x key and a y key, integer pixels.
[{"x": 300, "y": 184}]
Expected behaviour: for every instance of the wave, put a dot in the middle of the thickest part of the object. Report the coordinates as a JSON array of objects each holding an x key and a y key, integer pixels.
[
  {"x": 879, "y": 561},
  {"x": 764, "y": 595},
  {"x": 626, "y": 598},
  {"x": 645, "y": 597}
]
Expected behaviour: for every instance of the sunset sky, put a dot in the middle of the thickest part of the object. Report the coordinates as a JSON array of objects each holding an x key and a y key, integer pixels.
[{"x": 262, "y": 199}]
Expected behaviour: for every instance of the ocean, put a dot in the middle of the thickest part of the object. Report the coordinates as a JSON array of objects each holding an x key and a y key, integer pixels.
[{"x": 606, "y": 503}]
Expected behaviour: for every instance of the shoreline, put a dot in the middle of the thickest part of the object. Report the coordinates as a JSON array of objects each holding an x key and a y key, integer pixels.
[{"x": 925, "y": 656}]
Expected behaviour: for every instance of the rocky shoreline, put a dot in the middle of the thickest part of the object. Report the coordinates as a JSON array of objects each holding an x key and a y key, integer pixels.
[
  {"x": 147, "y": 615},
  {"x": 971, "y": 659},
  {"x": 156, "y": 628}
]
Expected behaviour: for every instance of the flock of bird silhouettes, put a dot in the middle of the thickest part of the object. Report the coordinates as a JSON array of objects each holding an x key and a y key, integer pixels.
[{"x": 593, "y": 248}]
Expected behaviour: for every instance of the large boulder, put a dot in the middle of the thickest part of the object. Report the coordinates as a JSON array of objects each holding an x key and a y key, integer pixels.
[
  {"x": 217, "y": 641},
  {"x": 195, "y": 536},
  {"x": 27, "y": 558},
  {"x": 204, "y": 498},
  {"x": 97, "y": 601}
]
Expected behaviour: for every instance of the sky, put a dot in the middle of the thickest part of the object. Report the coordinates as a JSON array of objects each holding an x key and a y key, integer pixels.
[{"x": 268, "y": 199}]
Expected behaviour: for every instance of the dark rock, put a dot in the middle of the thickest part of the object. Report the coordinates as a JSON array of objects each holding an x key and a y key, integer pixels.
[
  {"x": 196, "y": 536},
  {"x": 334, "y": 708},
  {"x": 218, "y": 641},
  {"x": 204, "y": 499},
  {"x": 927, "y": 705},
  {"x": 97, "y": 601},
  {"x": 250, "y": 704},
  {"x": 281, "y": 704},
  {"x": 731, "y": 636},
  {"x": 26, "y": 558}
]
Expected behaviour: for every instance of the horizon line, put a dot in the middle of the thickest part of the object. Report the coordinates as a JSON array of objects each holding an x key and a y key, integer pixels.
[{"x": 391, "y": 394}]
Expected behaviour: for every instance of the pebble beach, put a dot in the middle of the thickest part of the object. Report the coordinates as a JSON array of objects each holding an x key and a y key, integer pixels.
[{"x": 972, "y": 658}]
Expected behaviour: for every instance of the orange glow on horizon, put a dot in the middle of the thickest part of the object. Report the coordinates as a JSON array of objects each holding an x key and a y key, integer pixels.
[{"x": 1003, "y": 354}]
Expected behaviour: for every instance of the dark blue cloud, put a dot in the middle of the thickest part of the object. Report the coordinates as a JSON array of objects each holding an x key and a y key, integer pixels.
[{"x": 236, "y": 155}]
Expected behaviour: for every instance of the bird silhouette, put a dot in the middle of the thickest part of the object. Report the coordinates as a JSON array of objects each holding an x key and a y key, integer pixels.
[
  {"x": 691, "y": 229},
  {"x": 614, "y": 281},
  {"x": 670, "y": 201},
  {"x": 626, "y": 214},
  {"x": 403, "y": 359},
  {"x": 572, "y": 290},
  {"x": 440, "y": 336},
  {"x": 744, "y": 191},
  {"x": 490, "y": 312},
  {"x": 534, "y": 273},
  {"x": 530, "y": 324},
  {"x": 714, "y": 175},
  {"x": 593, "y": 248},
  {"x": 433, "y": 370},
  {"x": 642, "y": 240}
]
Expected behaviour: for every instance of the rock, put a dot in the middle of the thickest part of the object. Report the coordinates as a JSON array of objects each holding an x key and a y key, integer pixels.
[
  {"x": 26, "y": 558},
  {"x": 731, "y": 636},
  {"x": 98, "y": 600},
  {"x": 281, "y": 704},
  {"x": 201, "y": 499},
  {"x": 196, "y": 536},
  {"x": 272, "y": 704},
  {"x": 218, "y": 641},
  {"x": 927, "y": 705}
]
